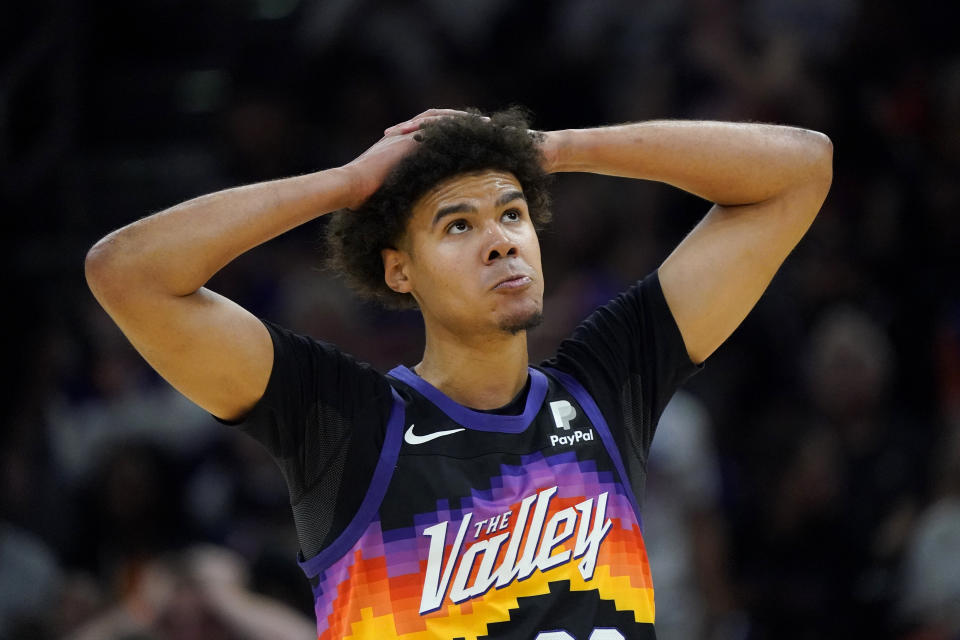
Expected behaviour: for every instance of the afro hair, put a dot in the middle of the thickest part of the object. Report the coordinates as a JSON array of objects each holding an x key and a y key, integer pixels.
[{"x": 448, "y": 147}]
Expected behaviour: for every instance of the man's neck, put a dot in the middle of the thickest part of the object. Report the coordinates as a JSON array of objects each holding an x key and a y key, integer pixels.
[{"x": 485, "y": 373}]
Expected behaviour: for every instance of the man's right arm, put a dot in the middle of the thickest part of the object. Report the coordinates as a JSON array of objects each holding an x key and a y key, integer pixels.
[{"x": 149, "y": 275}]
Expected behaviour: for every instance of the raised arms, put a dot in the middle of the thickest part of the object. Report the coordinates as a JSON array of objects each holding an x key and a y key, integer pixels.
[
  {"x": 150, "y": 275},
  {"x": 768, "y": 183}
]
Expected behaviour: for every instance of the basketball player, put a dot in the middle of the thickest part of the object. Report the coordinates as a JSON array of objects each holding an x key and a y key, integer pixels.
[{"x": 470, "y": 495}]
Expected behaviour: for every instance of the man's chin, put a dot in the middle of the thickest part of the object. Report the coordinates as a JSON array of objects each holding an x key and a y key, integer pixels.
[{"x": 521, "y": 322}]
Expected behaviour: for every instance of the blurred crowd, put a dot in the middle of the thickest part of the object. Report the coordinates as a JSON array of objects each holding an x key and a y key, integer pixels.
[{"x": 806, "y": 484}]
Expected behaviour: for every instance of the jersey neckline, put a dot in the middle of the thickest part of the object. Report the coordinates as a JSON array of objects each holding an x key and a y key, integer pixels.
[{"x": 479, "y": 420}]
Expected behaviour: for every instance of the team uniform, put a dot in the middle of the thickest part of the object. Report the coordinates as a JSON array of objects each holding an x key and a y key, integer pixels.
[{"x": 421, "y": 518}]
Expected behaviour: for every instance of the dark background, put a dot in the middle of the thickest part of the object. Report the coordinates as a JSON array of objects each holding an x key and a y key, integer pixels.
[{"x": 833, "y": 411}]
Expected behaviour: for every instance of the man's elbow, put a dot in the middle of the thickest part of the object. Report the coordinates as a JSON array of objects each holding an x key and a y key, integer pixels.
[
  {"x": 821, "y": 165},
  {"x": 817, "y": 174},
  {"x": 104, "y": 269},
  {"x": 96, "y": 270}
]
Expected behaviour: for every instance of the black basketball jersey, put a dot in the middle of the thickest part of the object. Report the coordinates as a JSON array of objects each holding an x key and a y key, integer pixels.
[{"x": 480, "y": 525}]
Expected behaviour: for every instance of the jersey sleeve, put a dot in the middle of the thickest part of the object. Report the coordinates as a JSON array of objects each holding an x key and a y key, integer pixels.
[
  {"x": 322, "y": 417},
  {"x": 630, "y": 356}
]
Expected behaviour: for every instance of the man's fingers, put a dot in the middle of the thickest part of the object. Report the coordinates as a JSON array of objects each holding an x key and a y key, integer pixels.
[
  {"x": 417, "y": 121},
  {"x": 414, "y": 123},
  {"x": 439, "y": 112},
  {"x": 405, "y": 127}
]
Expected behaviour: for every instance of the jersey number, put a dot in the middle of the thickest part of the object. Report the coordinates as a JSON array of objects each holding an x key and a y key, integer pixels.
[{"x": 597, "y": 634}]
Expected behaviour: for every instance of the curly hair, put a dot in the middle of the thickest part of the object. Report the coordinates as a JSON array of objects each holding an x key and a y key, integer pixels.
[{"x": 448, "y": 147}]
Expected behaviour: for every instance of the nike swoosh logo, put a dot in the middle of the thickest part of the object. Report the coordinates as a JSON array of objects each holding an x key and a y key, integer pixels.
[{"x": 413, "y": 438}]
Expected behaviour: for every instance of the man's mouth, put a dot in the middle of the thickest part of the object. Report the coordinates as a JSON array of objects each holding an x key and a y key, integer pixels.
[{"x": 514, "y": 282}]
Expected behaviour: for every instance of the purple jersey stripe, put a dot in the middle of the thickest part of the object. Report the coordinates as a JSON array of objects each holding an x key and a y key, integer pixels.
[
  {"x": 593, "y": 412},
  {"x": 477, "y": 419},
  {"x": 371, "y": 502}
]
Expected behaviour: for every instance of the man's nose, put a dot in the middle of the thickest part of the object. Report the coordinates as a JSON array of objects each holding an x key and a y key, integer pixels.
[{"x": 499, "y": 245}]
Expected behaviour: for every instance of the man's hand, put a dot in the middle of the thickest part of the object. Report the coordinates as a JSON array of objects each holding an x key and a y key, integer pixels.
[
  {"x": 417, "y": 121},
  {"x": 551, "y": 143},
  {"x": 369, "y": 170}
]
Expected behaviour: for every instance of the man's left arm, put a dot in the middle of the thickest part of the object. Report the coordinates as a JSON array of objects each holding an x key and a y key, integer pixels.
[{"x": 767, "y": 182}]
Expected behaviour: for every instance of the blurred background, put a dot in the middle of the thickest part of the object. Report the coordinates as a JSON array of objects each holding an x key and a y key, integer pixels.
[{"x": 806, "y": 484}]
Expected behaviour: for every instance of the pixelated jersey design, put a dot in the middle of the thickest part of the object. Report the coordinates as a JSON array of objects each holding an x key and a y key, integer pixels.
[{"x": 503, "y": 529}]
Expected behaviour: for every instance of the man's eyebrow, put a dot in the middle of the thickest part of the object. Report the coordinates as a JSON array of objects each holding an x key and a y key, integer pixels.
[
  {"x": 510, "y": 196},
  {"x": 463, "y": 207},
  {"x": 460, "y": 207}
]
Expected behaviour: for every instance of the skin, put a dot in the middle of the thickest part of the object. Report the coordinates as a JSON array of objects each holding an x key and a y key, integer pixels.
[
  {"x": 454, "y": 268},
  {"x": 767, "y": 184}
]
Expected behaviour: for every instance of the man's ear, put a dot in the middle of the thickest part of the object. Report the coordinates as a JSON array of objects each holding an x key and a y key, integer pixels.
[{"x": 395, "y": 269}]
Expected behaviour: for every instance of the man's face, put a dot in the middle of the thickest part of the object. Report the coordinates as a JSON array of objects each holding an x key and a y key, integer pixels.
[{"x": 471, "y": 257}]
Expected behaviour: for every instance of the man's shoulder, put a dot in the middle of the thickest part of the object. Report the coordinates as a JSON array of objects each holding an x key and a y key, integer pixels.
[
  {"x": 613, "y": 315},
  {"x": 289, "y": 342},
  {"x": 316, "y": 372}
]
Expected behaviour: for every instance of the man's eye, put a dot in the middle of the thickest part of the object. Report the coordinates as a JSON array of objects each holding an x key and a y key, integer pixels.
[
  {"x": 513, "y": 215},
  {"x": 458, "y": 226}
]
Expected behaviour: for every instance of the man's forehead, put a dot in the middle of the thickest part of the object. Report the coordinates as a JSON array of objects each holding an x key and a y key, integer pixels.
[{"x": 480, "y": 185}]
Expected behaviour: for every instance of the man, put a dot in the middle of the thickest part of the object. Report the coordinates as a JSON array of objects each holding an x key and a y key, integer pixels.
[{"x": 470, "y": 495}]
